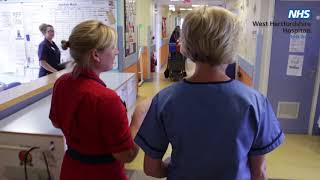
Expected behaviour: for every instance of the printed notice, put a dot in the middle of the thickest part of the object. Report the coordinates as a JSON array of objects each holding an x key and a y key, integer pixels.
[
  {"x": 295, "y": 64},
  {"x": 19, "y": 22},
  {"x": 297, "y": 42}
]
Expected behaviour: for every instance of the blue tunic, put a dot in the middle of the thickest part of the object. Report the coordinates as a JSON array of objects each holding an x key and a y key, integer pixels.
[
  {"x": 49, "y": 52},
  {"x": 212, "y": 127}
]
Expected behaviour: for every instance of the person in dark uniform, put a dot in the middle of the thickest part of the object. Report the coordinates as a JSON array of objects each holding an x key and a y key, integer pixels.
[
  {"x": 174, "y": 50},
  {"x": 48, "y": 52}
]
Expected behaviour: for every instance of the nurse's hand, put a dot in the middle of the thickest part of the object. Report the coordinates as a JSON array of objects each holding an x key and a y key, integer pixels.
[{"x": 139, "y": 115}]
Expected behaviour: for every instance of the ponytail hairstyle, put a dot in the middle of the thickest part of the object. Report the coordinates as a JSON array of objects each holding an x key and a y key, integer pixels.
[
  {"x": 43, "y": 28},
  {"x": 86, "y": 36}
]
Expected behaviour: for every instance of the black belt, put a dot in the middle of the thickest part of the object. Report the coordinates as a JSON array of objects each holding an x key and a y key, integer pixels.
[{"x": 90, "y": 159}]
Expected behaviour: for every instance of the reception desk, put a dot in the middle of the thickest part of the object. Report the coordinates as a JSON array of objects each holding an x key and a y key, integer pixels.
[{"x": 30, "y": 127}]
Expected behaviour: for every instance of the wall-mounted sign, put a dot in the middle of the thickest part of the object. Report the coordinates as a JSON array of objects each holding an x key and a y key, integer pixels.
[
  {"x": 129, "y": 27},
  {"x": 297, "y": 42},
  {"x": 295, "y": 64}
]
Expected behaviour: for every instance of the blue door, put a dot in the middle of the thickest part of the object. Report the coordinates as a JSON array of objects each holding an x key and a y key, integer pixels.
[{"x": 293, "y": 66}]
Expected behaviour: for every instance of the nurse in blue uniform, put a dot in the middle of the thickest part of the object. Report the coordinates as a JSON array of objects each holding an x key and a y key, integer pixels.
[
  {"x": 218, "y": 127},
  {"x": 48, "y": 52}
]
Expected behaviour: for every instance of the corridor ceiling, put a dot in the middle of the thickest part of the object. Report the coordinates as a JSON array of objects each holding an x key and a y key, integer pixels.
[{"x": 197, "y": 2}]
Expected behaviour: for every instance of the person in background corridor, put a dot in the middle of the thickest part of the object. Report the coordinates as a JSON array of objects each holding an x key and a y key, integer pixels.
[
  {"x": 91, "y": 116},
  {"x": 48, "y": 52},
  {"x": 174, "y": 38},
  {"x": 218, "y": 127}
]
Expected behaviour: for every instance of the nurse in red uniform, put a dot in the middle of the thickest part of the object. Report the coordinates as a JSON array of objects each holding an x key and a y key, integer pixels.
[{"x": 91, "y": 116}]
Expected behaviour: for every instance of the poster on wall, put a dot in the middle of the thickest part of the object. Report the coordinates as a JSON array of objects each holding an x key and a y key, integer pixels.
[
  {"x": 295, "y": 64},
  {"x": 129, "y": 29},
  {"x": 64, "y": 16},
  {"x": 12, "y": 49},
  {"x": 164, "y": 27},
  {"x": 297, "y": 42},
  {"x": 19, "y": 27}
]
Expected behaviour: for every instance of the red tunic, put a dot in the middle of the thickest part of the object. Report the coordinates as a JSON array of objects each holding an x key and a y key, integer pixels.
[{"x": 93, "y": 121}]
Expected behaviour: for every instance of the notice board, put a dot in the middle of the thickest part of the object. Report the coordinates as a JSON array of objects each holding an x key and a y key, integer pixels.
[{"x": 19, "y": 27}]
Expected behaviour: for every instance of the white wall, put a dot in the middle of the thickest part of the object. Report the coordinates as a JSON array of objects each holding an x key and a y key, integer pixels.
[
  {"x": 248, "y": 11},
  {"x": 164, "y": 12},
  {"x": 255, "y": 10},
  {"x": 267, "y": 14},
  {"x": 144, "y": 19},
  {"x": 173, "y": 16}
]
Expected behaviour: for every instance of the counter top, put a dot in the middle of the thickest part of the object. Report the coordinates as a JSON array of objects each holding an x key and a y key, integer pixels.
[
  {"x": 22, "y": 92},
  {"x": 34, "y": 119}
]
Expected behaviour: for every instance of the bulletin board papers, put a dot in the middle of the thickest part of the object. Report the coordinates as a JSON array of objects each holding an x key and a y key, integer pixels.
[
  {"x": 295, "y": 64},
  {"x": 64, "y": 16},
  {"x": 12, "y": 49},
  {"x": 297, "y": 42},
  {"x": 130, "y": 31},
  {"x": 20, "y": 20}
]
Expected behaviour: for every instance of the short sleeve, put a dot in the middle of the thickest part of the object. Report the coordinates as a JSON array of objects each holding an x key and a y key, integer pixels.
[
  {"x": 152, "y": 137},
  {"x": 114, "y": 125},
  {"x": 43, "y": 52},
  {"x": 269, "y": 134},
  {"x": 52, "y": 113},
  {"x": 54, "y": 108}
]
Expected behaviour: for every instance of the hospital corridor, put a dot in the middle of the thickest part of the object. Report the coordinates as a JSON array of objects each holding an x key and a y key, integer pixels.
[
  {"x": 159, "y": 89},
  {"x": 298, "y": 158}
]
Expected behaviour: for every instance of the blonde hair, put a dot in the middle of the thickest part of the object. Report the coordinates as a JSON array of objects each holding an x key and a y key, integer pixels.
[
  {"x": 210, "y": 35},
  {"x": 43, "y": 28},
  {"x": 86, "y": 36}
]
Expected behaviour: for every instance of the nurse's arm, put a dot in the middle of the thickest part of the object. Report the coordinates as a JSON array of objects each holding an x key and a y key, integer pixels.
[
  {"x": 258, "y": 167},
  {"x": 127, "y": 156},
  {"x": 138, "y": 116},
  {"x": 155, "y": 167},
  {"x": 47, "y": 66}
]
